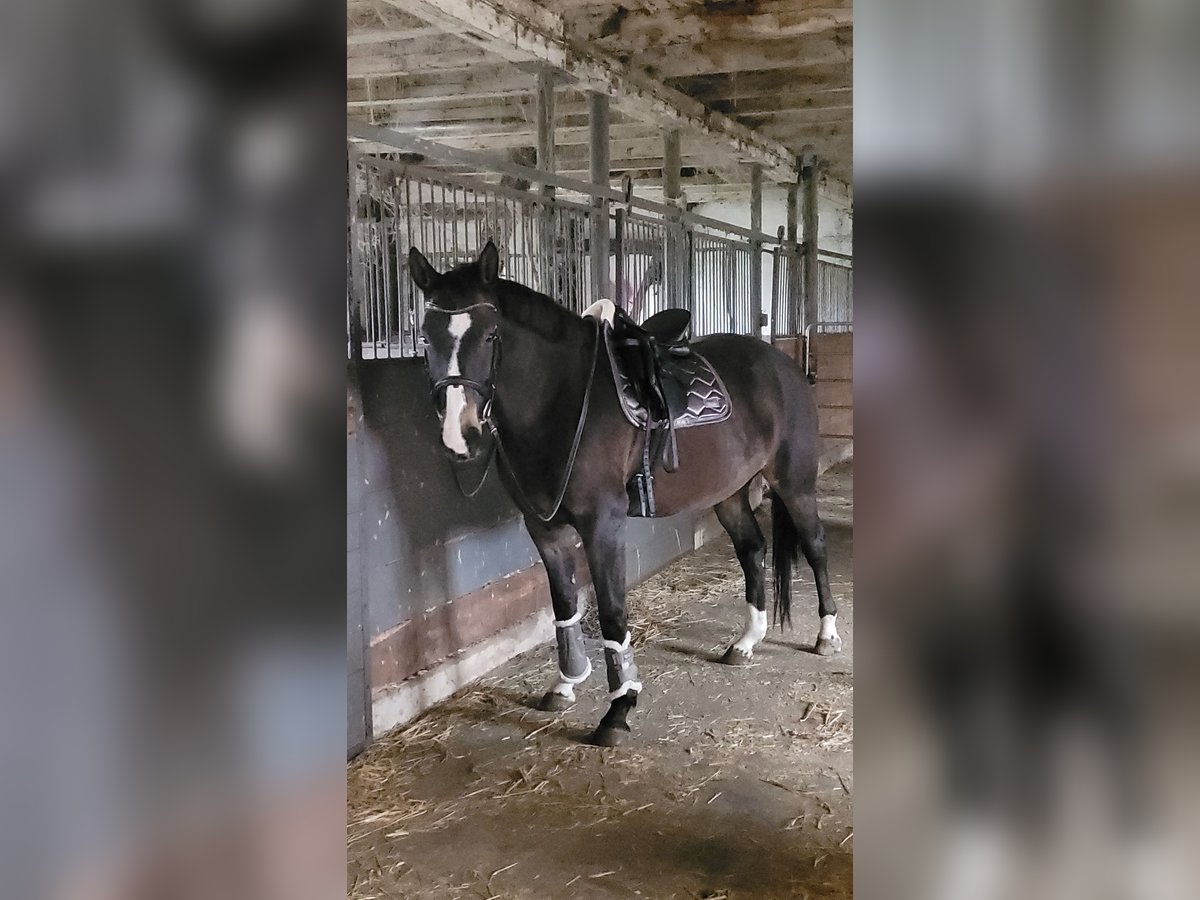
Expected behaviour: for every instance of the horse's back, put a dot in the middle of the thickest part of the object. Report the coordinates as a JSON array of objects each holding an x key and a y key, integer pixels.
[{"x": 756, "y": 372}]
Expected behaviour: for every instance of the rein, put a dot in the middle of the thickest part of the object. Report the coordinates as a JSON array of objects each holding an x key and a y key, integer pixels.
[{"x": 487, "y": 390}]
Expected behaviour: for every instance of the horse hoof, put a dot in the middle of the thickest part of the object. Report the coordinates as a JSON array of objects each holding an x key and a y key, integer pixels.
[
  {"x": 553, "y": 702},
  {"x": 606, "y": 736},
  {"x": 828, "y": 647},
  {"x": 735, "y": 657}
]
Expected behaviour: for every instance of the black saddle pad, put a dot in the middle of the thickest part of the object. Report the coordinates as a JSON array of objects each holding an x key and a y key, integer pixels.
[{"x": 695, "y": 392}]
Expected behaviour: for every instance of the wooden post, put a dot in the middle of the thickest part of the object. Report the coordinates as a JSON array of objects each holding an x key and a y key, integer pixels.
[
  {"x": 545, "y": 126},
  {"x": 598, "y": 123},
  {"x": 675, "y": 264},
  {"x": 808, "y": 181},
  {"x": 756, "y": 291},
  {"x": 792, "y": 301},
  {"x": 793, "y": 196},
  {"x": 549, "y": 242}
]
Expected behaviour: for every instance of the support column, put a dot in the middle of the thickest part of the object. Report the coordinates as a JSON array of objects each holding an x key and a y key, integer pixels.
[
  {"x": 756, "y": 247},
  {"x": 599, "y": 161},
  {"x": 808, "y": 181},
  {"x": 548, "y": 243},
  {"x": 792, "y": 301},
  {"x": 676, "y": 266},
  {"x": 545, "y": 126}
]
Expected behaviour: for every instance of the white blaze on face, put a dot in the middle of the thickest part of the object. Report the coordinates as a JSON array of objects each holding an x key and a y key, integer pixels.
[{"x": 456, "y": 395}]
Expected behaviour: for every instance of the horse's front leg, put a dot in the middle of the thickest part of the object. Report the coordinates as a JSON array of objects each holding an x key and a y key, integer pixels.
[
  {"x": 604, "y": 541},
  {"x": 556, "y": 545}
]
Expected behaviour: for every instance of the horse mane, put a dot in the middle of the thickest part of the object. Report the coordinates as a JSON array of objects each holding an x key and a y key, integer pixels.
[
  {"x": 536, "y": 311},
  {"x": 523, "y": 305}
]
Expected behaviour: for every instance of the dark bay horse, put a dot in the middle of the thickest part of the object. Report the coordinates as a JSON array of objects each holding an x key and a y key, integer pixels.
[{"x": 514, "y": 369}]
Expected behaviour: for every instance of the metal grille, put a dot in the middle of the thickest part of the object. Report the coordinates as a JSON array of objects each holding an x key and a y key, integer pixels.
[
  {"x": 660, "y": 257},
  {"x": 543, "y": 244},
  {"x": 641, "y": 271},
  {"x": 721, "y": 287},
  {"x": 835, "y": 296},
  {"x": 787, "y": 291}
]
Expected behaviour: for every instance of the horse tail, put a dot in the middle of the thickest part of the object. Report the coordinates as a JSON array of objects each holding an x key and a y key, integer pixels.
[{"x": 785, "y": 549}]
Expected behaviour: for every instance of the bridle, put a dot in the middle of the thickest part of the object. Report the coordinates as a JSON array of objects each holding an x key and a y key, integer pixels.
[{"x": 487, "y": 391}]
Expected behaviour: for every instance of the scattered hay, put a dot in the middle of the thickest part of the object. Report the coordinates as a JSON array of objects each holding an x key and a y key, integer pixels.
[{"x": 685, "y": 590}]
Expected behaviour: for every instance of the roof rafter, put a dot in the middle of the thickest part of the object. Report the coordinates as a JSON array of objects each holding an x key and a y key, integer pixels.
[{"x": 523, "y": 30}]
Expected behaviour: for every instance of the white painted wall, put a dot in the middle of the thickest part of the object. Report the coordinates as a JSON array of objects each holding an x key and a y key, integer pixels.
[
  {"x": 835, "y": 215},
  {"x": 835, "y": 219}
]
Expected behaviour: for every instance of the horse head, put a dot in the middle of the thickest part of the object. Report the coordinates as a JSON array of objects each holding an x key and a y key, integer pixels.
[{"x": 462, "y": 345}]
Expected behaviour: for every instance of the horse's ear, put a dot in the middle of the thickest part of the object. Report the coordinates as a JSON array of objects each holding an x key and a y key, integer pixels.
[
  {"x": 489, "y": 264},
  {"x": 423, "y": 274}
]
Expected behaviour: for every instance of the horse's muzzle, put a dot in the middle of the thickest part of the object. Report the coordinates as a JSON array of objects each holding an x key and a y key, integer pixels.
[{"x": 476, "y": 442}]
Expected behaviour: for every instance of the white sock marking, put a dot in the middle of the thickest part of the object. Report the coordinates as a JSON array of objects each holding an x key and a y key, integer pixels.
[
  {"x": 755, "y": 631},
  {"x": 456, "y": 396},
  {"x": 829, "y": 629}
]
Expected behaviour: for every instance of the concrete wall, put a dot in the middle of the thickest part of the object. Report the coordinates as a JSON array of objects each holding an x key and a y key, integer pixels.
[
  {"x": 835, "y": 214},
  {"x": 433, "y": 572}
]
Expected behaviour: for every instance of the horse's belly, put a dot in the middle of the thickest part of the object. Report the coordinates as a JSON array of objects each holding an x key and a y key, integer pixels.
[{"x": 715, "y": 461}]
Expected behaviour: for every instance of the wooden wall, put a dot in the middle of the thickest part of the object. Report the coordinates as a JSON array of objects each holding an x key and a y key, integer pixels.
[{"x": 833, "y": 362}]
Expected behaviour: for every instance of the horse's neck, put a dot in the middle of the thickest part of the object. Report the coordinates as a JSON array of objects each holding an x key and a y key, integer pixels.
[{"x": 540, "y": 378}]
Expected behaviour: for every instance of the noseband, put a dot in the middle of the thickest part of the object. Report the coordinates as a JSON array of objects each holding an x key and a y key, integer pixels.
[{"x": 485, "y": 389}]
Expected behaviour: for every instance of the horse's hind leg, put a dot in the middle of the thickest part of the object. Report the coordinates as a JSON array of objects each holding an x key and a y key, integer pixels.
[
  {"x": 801, "y": 506},
  {"x": 803, "y": 509},
  {"x": 737, "y": 517}
]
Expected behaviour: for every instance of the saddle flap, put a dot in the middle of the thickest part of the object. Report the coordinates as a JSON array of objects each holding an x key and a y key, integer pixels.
[{"x": 693, "y": 390}]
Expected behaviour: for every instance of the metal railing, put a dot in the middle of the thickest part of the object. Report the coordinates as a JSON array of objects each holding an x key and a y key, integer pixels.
[
  {"x": 660, "y": 255},
  {"x": 835, "y": 295}
]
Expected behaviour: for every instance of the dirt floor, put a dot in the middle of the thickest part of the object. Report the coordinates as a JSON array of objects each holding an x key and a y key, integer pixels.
[{"x": 736, "y": 783}]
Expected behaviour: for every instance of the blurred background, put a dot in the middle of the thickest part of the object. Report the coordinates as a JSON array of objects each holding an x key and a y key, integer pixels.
[
  {"x": 172, "y": 264},
  {"x": 1029, "y": 471},
  {"x": 172, "y": 630}
]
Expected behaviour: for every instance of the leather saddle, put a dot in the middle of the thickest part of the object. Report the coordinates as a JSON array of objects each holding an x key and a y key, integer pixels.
[{"x": 663, "y": 385}]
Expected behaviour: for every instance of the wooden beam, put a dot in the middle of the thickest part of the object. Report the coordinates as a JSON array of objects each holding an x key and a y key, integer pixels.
[
  {"x": 639, "y": 30},
  {"x": 414, "y": 63},
  {"x": 799, "y": 78},
  {"x": 599, "y": 165},
  {"x": 524, "y": 28},
  {"x": 364, "y": 36},
  {"x": 831, "y": 48},
  {"x": 842, "y": 98},
  {"x": 480, "y": 82},
  {"x": 792, "y": 118},
  {"x": 514, "y": 133}
]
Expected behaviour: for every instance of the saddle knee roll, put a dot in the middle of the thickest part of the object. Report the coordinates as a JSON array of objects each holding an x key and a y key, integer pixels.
[{"x": 622, "y": 671}]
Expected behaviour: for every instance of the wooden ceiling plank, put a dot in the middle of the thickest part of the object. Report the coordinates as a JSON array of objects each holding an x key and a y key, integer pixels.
[{"x": 524, "y": 28}]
